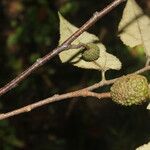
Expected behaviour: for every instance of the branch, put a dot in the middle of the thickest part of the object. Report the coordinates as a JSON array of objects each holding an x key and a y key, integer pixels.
[
  {"x": 55, "y": 98},
  {"x": 108, "y": 82},
  {"x": 146, "y": 68},
  {"x": 79, "y": 93},
  {"x": 41, "y": 61}
]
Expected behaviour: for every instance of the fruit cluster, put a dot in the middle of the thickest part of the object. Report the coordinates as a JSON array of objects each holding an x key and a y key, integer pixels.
[
  {"x": 130, "y": 89},
  {"x": 91, "y": 52}
]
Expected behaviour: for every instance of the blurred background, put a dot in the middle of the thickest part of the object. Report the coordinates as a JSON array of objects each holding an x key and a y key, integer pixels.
[{"x": 29, "y": 29}]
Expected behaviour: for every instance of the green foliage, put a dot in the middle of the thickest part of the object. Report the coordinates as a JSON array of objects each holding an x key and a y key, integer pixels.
[
  {"x": 8, "y": 139},
  {"x": 14, "y": 37},
  {"x": 70, "y": 6}
]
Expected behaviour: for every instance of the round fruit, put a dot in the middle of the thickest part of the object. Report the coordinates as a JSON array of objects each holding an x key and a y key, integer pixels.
[
  {"x": 91, "y": 52},
  {"x": 130, "y": 89}
]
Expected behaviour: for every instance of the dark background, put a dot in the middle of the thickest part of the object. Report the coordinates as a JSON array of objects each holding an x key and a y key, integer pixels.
[{"x": 29, "y": 29}]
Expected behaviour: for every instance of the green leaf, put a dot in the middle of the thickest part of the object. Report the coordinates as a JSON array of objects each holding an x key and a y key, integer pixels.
[
  {"x": 105, "y": 61},
  {"x": 134, "y": 27}
]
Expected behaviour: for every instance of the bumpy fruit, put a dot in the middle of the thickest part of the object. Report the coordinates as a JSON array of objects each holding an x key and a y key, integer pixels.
[
  {"x": 130, "y": 90},
  {"x": 91, "y": 53}
]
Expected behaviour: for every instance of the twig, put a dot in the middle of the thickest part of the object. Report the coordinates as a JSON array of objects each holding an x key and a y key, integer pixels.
[
  {"x": 41, "y": 61},
  {"x": 55, "y": 98},
  {"x": 146, "y": 68},
  {"x": 108, "y": 82},
  {"x": 82, "y": 92}
]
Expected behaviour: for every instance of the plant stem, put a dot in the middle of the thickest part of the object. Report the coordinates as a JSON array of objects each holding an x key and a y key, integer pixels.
[{"x": 41, "y": 61}]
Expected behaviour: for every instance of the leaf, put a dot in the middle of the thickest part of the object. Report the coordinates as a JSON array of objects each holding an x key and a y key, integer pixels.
[
  {"x": 105, "y": 62},
  {"x": 134, "y": 27},
  {"x": 148, "y": 106},
  {"x": 144, "y": 147},
  {"x": 67, "y": 29}
]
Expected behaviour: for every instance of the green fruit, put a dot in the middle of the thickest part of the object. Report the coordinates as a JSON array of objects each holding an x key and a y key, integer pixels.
[
  {"x": 130, "y": 89},
  {"x": 91, "y": 53}
]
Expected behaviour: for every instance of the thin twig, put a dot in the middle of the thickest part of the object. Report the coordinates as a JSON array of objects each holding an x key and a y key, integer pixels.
[
  {"x": 108, "y": 82},
  {"x": 55, "y": 98},
  {"x": 146, "y": 68},
  {"x": 82, "y": 92},
  {"x": 41, "y": 61}
]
